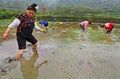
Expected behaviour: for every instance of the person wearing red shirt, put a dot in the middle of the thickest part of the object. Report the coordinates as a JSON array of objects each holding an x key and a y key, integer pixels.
[{"x": 108, "y": 27}]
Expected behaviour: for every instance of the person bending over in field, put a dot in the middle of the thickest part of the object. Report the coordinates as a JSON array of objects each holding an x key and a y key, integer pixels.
[
  {"x": 108, "y": 27},
  {"x": 84, "y": 25},
  {"x": 45, "y": 25}
]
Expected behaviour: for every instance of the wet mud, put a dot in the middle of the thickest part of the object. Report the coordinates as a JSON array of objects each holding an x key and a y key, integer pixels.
[{"x": 65, "y": 52}]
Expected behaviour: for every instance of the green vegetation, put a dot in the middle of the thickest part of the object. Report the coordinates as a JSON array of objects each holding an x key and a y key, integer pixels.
[
  {"x": 8, "y": 14},
  {"x": 5, "y": 22},
  {"x": 68, "y": 13},
  {"x": 79, "y": 13}
]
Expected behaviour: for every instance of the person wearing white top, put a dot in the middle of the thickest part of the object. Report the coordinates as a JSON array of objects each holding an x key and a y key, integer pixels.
[{"x": 25, "y": 24}]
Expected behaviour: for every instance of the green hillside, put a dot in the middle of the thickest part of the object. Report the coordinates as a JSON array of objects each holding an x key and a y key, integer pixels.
[
  {"x": 51, "y": 4},
  {"x": 67, "y": 11},
  {"x": 76, "y": 10}
]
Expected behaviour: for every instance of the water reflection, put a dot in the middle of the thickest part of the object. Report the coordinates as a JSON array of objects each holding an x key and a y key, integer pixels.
[{"x": 28, "y": 68}]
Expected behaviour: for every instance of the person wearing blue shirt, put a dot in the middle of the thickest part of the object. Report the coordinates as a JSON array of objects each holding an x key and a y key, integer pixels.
[{"x": 45, "y": 25}]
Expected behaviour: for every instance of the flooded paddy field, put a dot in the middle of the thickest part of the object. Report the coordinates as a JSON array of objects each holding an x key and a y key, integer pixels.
[{"x": 65, "y": 52}]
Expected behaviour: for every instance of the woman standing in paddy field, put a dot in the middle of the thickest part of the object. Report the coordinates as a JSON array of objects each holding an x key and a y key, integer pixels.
[
  {"x": 84, "y": 28},
  {"x": 25, "y": 24}
]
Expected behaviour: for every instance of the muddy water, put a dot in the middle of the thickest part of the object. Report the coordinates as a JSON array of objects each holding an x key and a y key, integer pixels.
[{"x": 65, "y": 52}]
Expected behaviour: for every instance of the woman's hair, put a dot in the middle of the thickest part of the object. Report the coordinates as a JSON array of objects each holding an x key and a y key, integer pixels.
[
  {"x": 89, "y": 22},
  {"x": 102, "y": 25},
  {"x": 33, "y": 7}
]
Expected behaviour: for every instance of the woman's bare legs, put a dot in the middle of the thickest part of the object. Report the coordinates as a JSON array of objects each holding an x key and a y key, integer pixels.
[{"x": 20, "y": 53}]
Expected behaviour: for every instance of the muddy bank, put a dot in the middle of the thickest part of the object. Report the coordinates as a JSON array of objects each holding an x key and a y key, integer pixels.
[{"x": 65, "y": 52}]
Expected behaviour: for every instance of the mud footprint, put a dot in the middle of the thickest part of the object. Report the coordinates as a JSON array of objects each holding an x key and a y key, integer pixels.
[{"x": 7, "y": 65}]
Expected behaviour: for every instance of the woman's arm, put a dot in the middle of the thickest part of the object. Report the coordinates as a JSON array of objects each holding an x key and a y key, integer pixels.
[
  {"x": 5, "y": 35},
  {"x": 38, "y": 28},
  {"x": 16, "y": 22}
]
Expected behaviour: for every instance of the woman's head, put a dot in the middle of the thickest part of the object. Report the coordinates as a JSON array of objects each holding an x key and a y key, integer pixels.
[
  {"x": 89, "y": 22},
  {"x": 32, "y": 9},
  {"x": 101, "y": 25}
]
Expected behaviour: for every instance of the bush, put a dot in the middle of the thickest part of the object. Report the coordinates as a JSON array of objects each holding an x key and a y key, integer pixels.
[{"x": 7, "y": 14}]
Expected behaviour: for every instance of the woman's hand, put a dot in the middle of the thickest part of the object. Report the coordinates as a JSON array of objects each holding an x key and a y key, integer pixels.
[
  {"x": 5, "y": 36},
  {"x": 45, "y": 30}
]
